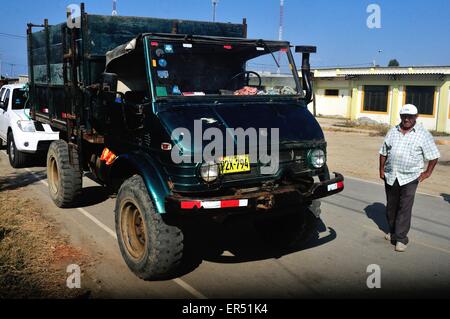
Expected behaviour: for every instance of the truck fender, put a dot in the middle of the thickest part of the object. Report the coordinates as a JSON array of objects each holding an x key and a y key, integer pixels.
[{"x": 152, "y": 173}]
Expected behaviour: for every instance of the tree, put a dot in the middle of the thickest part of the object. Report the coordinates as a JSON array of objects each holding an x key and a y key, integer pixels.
[{"x": 394, "y": 62}]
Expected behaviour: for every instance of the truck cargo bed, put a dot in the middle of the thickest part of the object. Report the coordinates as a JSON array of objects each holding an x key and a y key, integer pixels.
[{"x": 64, "y": 62}]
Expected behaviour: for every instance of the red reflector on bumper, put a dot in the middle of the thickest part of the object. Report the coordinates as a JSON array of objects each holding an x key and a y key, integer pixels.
[
  {"x": 229, "y": 203},
  {"x": 191, "y": 205},
  {"x": 335, "y": 186},
  {"x": 234, "y": 203}
]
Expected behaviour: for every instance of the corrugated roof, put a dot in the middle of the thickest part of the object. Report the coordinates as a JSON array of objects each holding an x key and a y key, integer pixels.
[{"x": 412, "y": 70}]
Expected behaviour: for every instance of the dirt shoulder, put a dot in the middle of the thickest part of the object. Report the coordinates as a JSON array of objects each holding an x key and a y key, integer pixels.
[
  {"x": 33, "y": 254},
  {"x": 356, "y": 155}
]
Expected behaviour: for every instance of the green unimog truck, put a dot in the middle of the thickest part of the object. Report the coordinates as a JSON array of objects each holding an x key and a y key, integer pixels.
[{"x": 136, "y": 101}]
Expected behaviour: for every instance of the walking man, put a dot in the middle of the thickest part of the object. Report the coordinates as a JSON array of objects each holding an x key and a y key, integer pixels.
[{"x": 402, "y": 161}]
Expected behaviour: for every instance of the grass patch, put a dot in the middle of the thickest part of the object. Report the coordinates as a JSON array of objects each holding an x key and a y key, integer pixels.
[
  {"x": 33, "y": 256},
  {"x": 444, "y": 163},
  {"x": 439, "y": 134},
  {"x": 377, "y": 129},
  {"x": 331, "y": 117}
]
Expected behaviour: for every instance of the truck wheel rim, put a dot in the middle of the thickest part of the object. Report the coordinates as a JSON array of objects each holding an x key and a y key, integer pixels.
[
  {"x": 133, "y": 230},
  {"x": 53, "y": 176}
]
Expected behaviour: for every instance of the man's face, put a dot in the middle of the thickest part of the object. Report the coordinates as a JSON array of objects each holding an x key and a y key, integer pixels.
[{"x": 408, "y": 121}]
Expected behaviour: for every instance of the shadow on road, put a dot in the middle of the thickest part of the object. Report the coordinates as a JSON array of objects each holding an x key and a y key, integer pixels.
[
  {"x": 91, "y": 196},
  {"x": 446, "y": 197},
  {"x": 18, "y": 180},
  {"x": 242, "y": 239},
  {"x": 377, "y": 213}
]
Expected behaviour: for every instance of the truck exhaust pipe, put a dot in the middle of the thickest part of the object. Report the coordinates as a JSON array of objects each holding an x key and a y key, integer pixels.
[{"x": 306, "y": 70}]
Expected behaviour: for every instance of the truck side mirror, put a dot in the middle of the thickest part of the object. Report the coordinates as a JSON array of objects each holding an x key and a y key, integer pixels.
[
  {"x": 2, "y": 106},
  {"x": 306, "y": 69},
  {"x": 109, "y": 82}
]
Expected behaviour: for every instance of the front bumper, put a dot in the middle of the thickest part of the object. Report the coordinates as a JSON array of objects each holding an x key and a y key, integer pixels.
[
  {"x": 258, "y": 200},
  {"x": 32, "y": 142}
]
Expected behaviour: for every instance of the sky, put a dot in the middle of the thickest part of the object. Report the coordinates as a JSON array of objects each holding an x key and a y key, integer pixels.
[{"x": 415, "y": 32}]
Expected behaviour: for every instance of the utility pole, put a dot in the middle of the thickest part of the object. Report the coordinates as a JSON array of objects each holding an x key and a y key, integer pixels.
[
  {"x": 280, "y": 31},
  {"x": 374, "y": 60},
  {"x": 214, "y": 3},
  {"x": 114, "y": 12}
]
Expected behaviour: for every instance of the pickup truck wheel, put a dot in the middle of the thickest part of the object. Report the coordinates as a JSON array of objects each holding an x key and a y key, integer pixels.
[
  {"x": 64, "y": 179},
  {"x": 17, "y": 159},
  {"x": 151, "y": 248}
]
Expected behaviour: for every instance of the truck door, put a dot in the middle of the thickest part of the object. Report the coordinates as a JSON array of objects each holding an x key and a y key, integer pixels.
[{"x": 4, "y": 112}]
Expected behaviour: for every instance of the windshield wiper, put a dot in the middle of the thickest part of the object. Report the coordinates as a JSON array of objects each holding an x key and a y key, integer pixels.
[{"x": 261, "y": 41}]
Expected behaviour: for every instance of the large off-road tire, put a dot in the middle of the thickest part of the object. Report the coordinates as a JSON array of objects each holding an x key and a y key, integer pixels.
[
  {"x": 17, "y": 159},
  {"x": 64, "y": 178},
  {"x": 151, "y": 248}
]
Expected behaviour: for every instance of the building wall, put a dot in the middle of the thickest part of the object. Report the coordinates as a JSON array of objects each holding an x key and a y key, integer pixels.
[
  {"x": 23, "y": 79},
  {"x": 448, "y": 112},
  {"x": 332, "y": 105},
  {"x": 350, "y": 102}
]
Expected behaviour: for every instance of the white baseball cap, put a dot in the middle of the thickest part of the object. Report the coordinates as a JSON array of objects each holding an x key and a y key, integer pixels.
[{"x": 409, "y": 109}]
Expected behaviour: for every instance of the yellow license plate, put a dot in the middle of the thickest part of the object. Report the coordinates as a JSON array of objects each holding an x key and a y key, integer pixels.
[{"x": 235, "y": 164}]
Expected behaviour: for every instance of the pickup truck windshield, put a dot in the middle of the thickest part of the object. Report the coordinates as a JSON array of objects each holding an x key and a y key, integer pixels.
[
  {"x": 18, "y": 99},
  {"x": 201, "y": 68}
]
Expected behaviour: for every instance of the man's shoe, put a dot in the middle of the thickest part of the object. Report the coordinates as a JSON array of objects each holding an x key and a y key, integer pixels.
[
  {"x": 400, "y": 247},
  {"x": 388, "y": 237}
]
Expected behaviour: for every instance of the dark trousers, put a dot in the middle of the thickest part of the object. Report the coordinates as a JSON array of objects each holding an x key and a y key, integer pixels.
[{"x": 400, "y": 201}]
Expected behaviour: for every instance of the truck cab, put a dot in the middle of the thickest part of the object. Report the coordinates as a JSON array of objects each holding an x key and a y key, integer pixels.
[
  {"x": 164, "y": 83},
  {"x": 18, "y": 131}
]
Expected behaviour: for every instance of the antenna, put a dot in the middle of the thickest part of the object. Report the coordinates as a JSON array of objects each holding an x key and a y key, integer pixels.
[
  {"x": 214, "y": 3},
  {"x": 114, "y": 12},
  {"x": 280, "y": 31}
]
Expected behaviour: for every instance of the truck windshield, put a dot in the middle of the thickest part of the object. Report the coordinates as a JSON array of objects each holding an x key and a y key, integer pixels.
[{"x": 196, "y": 68}]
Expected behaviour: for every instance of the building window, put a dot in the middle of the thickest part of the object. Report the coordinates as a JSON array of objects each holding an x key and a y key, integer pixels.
[
  {"x": 376, "y": 98},
  {"x": 332, "y": 92},
  {"x": 422, "y": 97}
]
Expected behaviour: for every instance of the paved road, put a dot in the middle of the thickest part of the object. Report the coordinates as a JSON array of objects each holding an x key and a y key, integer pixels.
[{"x": 234, "y": 263}]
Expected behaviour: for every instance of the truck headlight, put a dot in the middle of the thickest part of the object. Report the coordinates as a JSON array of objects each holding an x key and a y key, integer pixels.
[
  {"x": 317, "y": 158},
  {"x": 26, "y": 126},
  {"x": 209, "y": 172}
]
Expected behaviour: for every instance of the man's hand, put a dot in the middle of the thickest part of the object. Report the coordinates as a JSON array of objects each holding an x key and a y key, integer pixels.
[
  {"x": 424, "y": 176},
  {"x": 382, "y": 165},
  {"x": 429, "y": 171}
]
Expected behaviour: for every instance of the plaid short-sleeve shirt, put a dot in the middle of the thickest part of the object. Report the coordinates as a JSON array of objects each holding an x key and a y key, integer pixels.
[{"x": 406, "y": 154}]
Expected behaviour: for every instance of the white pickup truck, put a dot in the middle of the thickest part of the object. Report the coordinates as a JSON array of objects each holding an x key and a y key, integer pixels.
[{"x": 21, "y": 134}]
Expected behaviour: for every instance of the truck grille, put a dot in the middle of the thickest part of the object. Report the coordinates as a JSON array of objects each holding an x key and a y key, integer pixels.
[{"x": 39, "y": 127}]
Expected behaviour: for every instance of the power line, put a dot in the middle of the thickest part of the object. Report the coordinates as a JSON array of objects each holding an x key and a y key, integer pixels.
[
  {"x": 16, "y": 64},
  {"x": 12, "y": 36}
]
